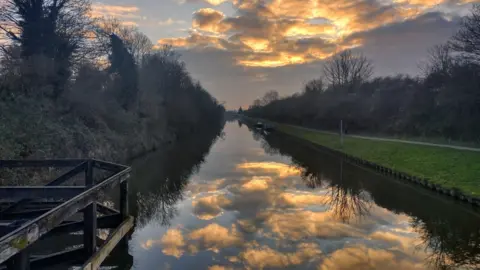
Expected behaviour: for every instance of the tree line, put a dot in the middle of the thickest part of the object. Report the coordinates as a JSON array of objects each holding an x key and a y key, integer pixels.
[
  {"x": 73, "y": 85},
  {"x": 443, "y": 101}
]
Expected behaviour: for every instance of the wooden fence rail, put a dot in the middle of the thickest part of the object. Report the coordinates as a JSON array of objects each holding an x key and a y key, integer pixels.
[{"x": 34, "y": 213}]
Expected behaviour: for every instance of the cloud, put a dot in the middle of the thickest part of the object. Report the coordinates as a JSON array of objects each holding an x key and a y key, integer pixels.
[
  {"x": 215, "y": 237},
  {"x": 198, "y": 186},
  {"x": 361, "y": 257},
  {"x": 172, "y": 243},
  {"x": 266, "y": 257},
  {"x": 210, "y": 2},
  {"x": 300, "y": 200},
  {"x": 256, "y": 184},
  {"x": 170, "y": 21},
  {"x": 195, "y": 40},
  {"x": 307, "y": 224},
  {"x": 118, "y": 11},
  {"x": 209, "y": 207},
  {"x": 219, "y": 267},
  {"x": 293, "y": 32},
  {"x": 269, "y": 168},
  {"x": 209, "y": 20}
]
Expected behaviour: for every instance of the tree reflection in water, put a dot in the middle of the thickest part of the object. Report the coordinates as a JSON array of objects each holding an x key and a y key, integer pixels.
[
  {"x": 346, "y": 201},
  {"x": 159, "y": 179},
  {"x": 450, "y": 231}
]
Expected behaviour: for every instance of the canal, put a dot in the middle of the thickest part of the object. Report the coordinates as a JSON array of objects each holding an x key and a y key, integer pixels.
[{"x": 268, "y": 202}]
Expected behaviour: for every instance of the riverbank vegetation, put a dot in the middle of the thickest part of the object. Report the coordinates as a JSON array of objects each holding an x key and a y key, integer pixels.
[
  {"x": 76, "y": 86},
  {"x": 447, "y": 167},
  {"x": 442, "y": 102}
]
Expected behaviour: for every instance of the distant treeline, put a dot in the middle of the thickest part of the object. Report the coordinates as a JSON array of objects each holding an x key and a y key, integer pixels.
[
  {"x": 75, "y": 86},
  {"x": 443, "y": 102}
]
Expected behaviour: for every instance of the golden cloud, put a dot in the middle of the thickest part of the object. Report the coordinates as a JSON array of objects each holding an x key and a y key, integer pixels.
[
  {"x": 256, "y": 44},
  {"x": 172, "y": 243},
  {"x": 266, "y": 257},
  {"x": 273, "y": 33},
  {"x": 300, "y": 200},
  {"x": 216, "y": 2},
  {"x": 257, "y": 183},
  {"x": 307, "y": 224},
  {"x": 219, "y": 267},
  {"x": 215, "y": 237},
  {"x": 209, "y": 20},
  {"x": 361, "y": 257},
  {"x": 265, "y": 168},
  {"x": 209, "y": 207},
  {"x": 301, "y": 28}
]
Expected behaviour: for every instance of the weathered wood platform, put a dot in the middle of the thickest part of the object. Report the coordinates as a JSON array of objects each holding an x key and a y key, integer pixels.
[{"x": 33, "y": 214}]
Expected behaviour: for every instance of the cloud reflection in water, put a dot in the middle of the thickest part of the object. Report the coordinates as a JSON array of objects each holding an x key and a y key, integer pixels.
[{"x": 277, "y": 225}]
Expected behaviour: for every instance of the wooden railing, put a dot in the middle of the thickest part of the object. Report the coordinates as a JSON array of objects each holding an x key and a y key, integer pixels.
[{"x": 33, "y": 213}]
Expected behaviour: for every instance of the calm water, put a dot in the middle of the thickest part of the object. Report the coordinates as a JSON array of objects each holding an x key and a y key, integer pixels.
[{"x": 267, "y": 203}]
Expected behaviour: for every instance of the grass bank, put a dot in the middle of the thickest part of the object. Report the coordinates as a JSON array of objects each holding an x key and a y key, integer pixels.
[{"x": 449, "y": 168}]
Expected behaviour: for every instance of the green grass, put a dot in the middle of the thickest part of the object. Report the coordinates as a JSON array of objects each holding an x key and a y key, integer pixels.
[{"x": 448, "y": 167}]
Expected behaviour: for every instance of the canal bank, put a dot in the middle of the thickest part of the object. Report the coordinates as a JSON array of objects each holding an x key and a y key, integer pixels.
[{"x": 451, "y": 172}]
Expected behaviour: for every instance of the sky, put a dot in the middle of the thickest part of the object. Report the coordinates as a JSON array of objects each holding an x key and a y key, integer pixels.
[{"x": 240, "y": 49}]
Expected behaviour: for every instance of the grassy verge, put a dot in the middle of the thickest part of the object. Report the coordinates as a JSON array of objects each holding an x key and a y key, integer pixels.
[{"x": 448, "y": 167}]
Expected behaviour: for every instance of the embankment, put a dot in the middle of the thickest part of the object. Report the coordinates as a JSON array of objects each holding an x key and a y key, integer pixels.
[
  {"x": 449, "y": 171},
  {"x": 41, "y": 130}
]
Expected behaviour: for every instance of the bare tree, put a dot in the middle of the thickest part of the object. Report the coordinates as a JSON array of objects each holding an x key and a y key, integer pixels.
[
  {"x": 439, "y": 59},
  {"x": 269, "y": 97},
  {"x": 314, "y": 86},
  {"x": 347, "y": 70},
  {"x": 467, "y": 40}
]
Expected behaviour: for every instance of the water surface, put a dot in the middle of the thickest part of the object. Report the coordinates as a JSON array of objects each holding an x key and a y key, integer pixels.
[{"x": 273, "y": 202}]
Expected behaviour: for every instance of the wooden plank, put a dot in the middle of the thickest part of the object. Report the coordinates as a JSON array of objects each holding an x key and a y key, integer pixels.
[
  {"x": 96, "y": 260},
  {"x": 30, "y": 232},
  {"x": 90, "y": 217},
  {"x": 34, "y": 192},
  {"x": 70, "y": 174},
  {"x": 40, "y": 163},
  {"x": 106, "y": 210},
  {"x": 104, "y": 222},
  {"x": 109, "y": 166}
]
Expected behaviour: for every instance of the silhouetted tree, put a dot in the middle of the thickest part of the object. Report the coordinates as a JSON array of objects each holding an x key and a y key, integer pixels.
[
  {"x": 270, "y": 96},
  {"x": 314, "y": 86},
  {"x": 136, "y": 42},
  {"x": 467, "y": 40},
  {"x": 347, "y": 70},
  {"x": 50, "y": 31},
  {"x": 123, "y": 65}
]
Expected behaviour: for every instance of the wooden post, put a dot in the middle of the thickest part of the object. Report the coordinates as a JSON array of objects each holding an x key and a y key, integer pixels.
[
  {"x": 20, "y": 261},
  {"x": 124, "y": 199},
  {"x": 90, "y": 216}
]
